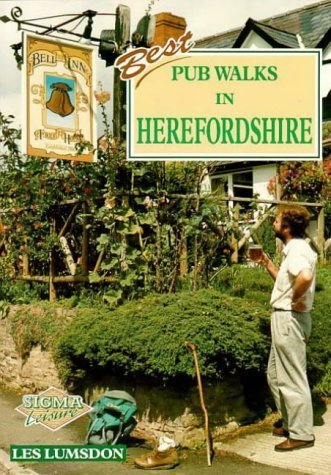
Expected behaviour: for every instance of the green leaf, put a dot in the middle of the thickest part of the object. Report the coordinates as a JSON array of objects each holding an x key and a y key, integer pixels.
[
  {"x": 125, "y": 217},
  {"x": 113, "y": 264},
  {"x": 103, "y": 239},
  {"x": 147, "y": 219},
  {"x": 129, "y": 280},
  {"x": 94, "y": 278},
  {"x": 113, "y": 297},
  {"x": 134, "y": 229}
]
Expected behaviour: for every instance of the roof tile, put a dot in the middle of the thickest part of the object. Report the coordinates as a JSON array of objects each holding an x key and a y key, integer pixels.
[{"x": 312, "y": 22}]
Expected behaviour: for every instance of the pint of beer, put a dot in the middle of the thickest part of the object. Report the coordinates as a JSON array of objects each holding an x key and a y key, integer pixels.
[{"x": 255, "y": 252}]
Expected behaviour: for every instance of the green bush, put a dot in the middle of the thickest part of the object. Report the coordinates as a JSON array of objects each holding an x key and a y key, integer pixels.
[
  {"x": 266, "y": 235},
  {"x": 323, "y": 387},
  {"x": 148, "y": 337},
  {"x": 319, "y": 348},
  {"x": 251, "y": 283},
  {"x": 257, "y": 286},
  {"x": 21, "y": 292}
]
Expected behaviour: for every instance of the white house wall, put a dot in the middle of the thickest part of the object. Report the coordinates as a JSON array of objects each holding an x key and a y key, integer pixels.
[
  {"x": 261, "y": 177},
  {"x": 206, "y": 183},
  {"x": 254, "y": 41},
  {"x": 327, "y": 52},
  {"x": 326, "y": 72}
]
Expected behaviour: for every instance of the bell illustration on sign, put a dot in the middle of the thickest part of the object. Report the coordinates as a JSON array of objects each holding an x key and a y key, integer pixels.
[{"x": 59, "y": 102}]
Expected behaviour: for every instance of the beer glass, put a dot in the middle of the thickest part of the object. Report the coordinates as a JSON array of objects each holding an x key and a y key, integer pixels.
[{"x": 255, "y": 252}]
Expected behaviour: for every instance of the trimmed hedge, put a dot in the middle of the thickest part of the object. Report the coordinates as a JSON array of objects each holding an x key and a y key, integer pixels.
[
  {"x": 147, "y": 337},
  {"x": 256, "y": 285},
  {"x": 319, "y": 346}
]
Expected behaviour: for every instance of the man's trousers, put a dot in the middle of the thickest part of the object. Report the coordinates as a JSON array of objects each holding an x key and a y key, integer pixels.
[{"x": 287, "y": 377}]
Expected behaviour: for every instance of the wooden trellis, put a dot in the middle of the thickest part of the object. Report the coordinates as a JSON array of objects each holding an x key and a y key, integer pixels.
[
  {"x": 83, "y": 264},
  {"x": 70, "y": 263},
  {"x": 320, "y": 244}
]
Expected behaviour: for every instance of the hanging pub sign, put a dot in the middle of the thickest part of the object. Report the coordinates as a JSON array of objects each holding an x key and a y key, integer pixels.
[{"x": 58, "y": 99}]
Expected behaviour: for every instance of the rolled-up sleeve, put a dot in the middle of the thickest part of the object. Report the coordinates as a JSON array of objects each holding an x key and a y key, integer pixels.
[{"x": 297, "y": 262}]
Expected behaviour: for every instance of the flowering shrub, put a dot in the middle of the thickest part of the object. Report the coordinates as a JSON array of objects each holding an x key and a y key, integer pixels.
[{"x": 307, "y": 181}]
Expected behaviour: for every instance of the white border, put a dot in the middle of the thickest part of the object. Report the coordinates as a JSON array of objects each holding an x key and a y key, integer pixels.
[{"x": 317, "y": 52}]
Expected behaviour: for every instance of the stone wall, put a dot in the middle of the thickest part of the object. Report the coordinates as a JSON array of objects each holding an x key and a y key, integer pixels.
[
  {"x": 175, "y": 410},
  {"x": 37, "y": 372},
  {"x": 169, "y": 410}
]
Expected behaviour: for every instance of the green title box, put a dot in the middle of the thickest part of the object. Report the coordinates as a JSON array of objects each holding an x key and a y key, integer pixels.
[{"x": 67, "y": 453}]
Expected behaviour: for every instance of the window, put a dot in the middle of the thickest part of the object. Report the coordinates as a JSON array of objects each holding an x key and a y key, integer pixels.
[
  {"x": 237, "y": 185},
  {"x": 219, "y": 183},
  {"x": 243, "y": 184}
]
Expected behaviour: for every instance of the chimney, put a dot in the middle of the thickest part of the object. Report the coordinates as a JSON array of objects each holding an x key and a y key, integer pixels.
[{"x": 168, "y": 26}]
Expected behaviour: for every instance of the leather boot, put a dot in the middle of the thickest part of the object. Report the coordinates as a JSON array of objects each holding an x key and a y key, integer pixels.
[{"x": 157, "y": 460}]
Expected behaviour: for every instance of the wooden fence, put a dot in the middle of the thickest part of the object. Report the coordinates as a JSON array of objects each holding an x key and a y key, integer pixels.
[
  {"x": 78, "y": 267},
  {"x": 319, "y": 244}
]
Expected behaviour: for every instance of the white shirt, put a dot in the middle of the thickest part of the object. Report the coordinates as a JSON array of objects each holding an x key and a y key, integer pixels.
[{"x": 297, "y": 256}]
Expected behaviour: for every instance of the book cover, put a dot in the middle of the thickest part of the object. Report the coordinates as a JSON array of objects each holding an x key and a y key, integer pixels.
[{"x": 144, "y": 148}]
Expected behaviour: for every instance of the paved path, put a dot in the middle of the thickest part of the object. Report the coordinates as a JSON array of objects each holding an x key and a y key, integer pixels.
[
  {"x": 315, "y": 460},
  {"x": 12, "y": 468},
  {"x": 257, "y": 447}
]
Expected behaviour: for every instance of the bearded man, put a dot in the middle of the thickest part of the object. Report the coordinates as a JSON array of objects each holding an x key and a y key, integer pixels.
[{"x": 292, "y": 300}]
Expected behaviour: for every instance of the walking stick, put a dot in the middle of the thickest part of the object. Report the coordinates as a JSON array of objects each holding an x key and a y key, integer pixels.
[{"x": 192, "y": 347}]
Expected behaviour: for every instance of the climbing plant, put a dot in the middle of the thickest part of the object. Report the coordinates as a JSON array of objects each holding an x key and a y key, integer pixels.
[{"x": 150, "y": 222}]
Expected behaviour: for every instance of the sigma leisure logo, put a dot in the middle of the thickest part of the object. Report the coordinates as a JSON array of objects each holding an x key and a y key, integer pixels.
[
  {"x": 67, "y": 453},
  {"x": 52, "y": 408}
]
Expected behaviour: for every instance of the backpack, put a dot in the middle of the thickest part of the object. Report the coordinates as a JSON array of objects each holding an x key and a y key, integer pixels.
[{"x": 111, "y": 418}]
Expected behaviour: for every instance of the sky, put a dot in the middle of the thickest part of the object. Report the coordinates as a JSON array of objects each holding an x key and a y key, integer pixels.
[{"x": 203, "y": 18}]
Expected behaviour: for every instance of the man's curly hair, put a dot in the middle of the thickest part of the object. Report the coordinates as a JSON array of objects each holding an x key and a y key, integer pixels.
[{"x": 296, "y": 218}]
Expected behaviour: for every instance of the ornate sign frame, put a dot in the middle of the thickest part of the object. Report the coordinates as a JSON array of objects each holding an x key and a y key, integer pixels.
[{"x": 58, "y": 84}]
